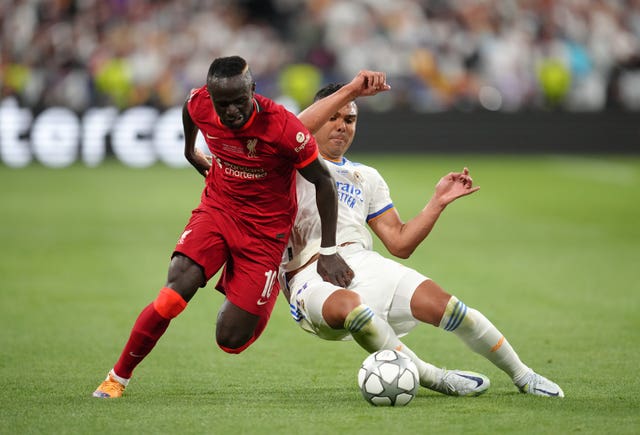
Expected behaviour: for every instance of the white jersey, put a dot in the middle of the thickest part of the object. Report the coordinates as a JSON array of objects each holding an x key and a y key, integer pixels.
[{"x": 362, "y": 195}]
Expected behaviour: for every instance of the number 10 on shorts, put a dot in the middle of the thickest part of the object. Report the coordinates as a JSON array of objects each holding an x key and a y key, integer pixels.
[{"x": 270, "y": 277}]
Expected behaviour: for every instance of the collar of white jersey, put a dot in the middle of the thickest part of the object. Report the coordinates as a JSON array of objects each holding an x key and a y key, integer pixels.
[{"x": 340, "y": 162}]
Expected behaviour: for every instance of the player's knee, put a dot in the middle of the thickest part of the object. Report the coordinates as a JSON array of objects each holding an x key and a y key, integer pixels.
[
  {"x": 235, "y": 350},
  {"x": 233, "y": 341},
  {"x": 237, "y": 329},
  {"x": 185, "y": 276},
  {"x": 233, "y": 346},
  {"x": 338, "y": 306}
]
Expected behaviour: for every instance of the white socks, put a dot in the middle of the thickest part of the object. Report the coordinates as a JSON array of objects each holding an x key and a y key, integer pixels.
[{"x": 477, "y": 332}]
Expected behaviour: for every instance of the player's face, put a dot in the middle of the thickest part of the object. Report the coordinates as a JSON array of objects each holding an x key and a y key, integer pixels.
[
  {"x": 335, "y": 136},
  {"x": 232, "y": 99}
]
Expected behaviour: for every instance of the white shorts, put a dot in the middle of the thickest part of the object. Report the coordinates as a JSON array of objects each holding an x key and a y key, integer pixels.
[{"x": 383, "y": 284}]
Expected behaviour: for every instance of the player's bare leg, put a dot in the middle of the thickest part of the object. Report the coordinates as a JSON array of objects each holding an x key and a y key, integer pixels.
[{"x": 236, "y": 328}]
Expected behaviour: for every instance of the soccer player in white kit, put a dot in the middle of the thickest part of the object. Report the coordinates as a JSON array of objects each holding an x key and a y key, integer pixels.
[{"x": 385, "y": 299}]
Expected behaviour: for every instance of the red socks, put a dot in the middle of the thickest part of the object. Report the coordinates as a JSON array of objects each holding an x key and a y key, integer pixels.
[{"x": 147, "y": 330}]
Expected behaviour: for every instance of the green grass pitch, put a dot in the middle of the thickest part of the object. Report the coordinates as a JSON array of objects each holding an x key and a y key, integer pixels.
[{"x": 548, "y": 249}]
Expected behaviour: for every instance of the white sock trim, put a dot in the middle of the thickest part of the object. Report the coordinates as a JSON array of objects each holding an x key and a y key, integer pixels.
[{"x": 123, "y": 381}]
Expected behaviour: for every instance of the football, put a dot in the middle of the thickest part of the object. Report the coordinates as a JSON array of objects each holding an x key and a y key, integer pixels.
[{"x": 388, "y": 378}]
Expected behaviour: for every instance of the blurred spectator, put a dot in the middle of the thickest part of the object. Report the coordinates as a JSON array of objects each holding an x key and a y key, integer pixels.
[
  {"x": 300, "y": 81},
  {"x": 439, "y": 55}
]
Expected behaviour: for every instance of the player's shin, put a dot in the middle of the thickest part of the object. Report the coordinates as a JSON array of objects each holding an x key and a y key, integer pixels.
[
  {"x": 147, "y": 330},
  {"x": 477, "y": 332},
  {"x": 372, "y": 333}
]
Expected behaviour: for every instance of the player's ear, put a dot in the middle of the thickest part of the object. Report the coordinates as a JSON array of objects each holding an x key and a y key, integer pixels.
[{"x": 253, "y": 87}]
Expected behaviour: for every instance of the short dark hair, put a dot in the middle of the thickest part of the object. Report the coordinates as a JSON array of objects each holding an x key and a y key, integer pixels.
[
  {"x": 327, "y": 90},
  {"x": 224, "y": 67}
]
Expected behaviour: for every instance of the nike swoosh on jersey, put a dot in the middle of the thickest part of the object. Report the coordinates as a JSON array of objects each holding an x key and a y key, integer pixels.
[{"x": 212, "y": 137}]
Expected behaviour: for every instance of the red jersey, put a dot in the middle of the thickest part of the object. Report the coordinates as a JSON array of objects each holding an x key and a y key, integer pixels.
[{"x": 253, "y": 170}]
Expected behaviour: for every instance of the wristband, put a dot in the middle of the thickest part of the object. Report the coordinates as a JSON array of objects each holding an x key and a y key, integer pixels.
[{"x": 329, "y": 250}]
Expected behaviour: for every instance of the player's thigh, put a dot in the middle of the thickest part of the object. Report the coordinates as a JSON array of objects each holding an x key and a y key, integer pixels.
[
  {"x": 250, "y": 277},
  {"x": 376, "y": 280},
  {"x": 203, "y": 242},
  {"x": 429, "y": 302},
  {"x": 387, "y": 287}
]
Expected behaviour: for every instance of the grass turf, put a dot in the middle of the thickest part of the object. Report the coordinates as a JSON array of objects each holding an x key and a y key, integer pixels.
[{"x": 548, "y": 249}]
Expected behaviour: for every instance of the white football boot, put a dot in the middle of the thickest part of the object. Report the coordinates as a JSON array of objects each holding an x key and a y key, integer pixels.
[
  {"x": 461, "y": 383},
  {"x": 540, "y": 386}
]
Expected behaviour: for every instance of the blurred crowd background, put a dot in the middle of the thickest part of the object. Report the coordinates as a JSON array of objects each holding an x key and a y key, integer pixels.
[{"x": 456, "y": 55}]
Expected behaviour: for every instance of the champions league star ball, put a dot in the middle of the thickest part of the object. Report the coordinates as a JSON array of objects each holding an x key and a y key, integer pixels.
[{"x": 388, "y": 378}]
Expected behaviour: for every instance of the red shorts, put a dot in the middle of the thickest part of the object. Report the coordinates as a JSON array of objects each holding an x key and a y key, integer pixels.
[{"x": 213, "y": 238}]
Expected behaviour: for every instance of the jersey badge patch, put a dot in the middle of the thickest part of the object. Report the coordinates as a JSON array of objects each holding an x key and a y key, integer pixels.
[{"x": 251, "y": 148}]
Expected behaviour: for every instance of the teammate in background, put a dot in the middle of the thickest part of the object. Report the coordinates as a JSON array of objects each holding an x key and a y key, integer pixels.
[
  {"x": 246, "y": 211},
  {"x": 385, "y": 299}
]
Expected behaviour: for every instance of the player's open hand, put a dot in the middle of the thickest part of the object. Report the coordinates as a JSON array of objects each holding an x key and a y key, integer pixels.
[
  {"x": 368, "y": 83},
  {"x": 334, "y": 269},
  {"x": 453, "y": 186}
]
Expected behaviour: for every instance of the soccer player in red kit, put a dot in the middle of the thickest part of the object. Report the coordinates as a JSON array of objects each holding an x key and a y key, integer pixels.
[{"x": 246, "y": 211}]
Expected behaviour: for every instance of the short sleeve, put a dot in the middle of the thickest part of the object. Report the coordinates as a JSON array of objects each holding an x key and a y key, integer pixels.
[
  {"x": 298, "y": 141},
  {"x": 380, "y": 196},
  {"x": 195, "y": 104}
]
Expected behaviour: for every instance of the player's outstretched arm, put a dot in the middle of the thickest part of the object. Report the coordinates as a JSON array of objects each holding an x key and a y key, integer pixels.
[
  {"x": 331, "y": 267},
  {"x": 365, "y": 83},
  {"x": 193, "y": 155},
  {"x": 400, "y": 238}
]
